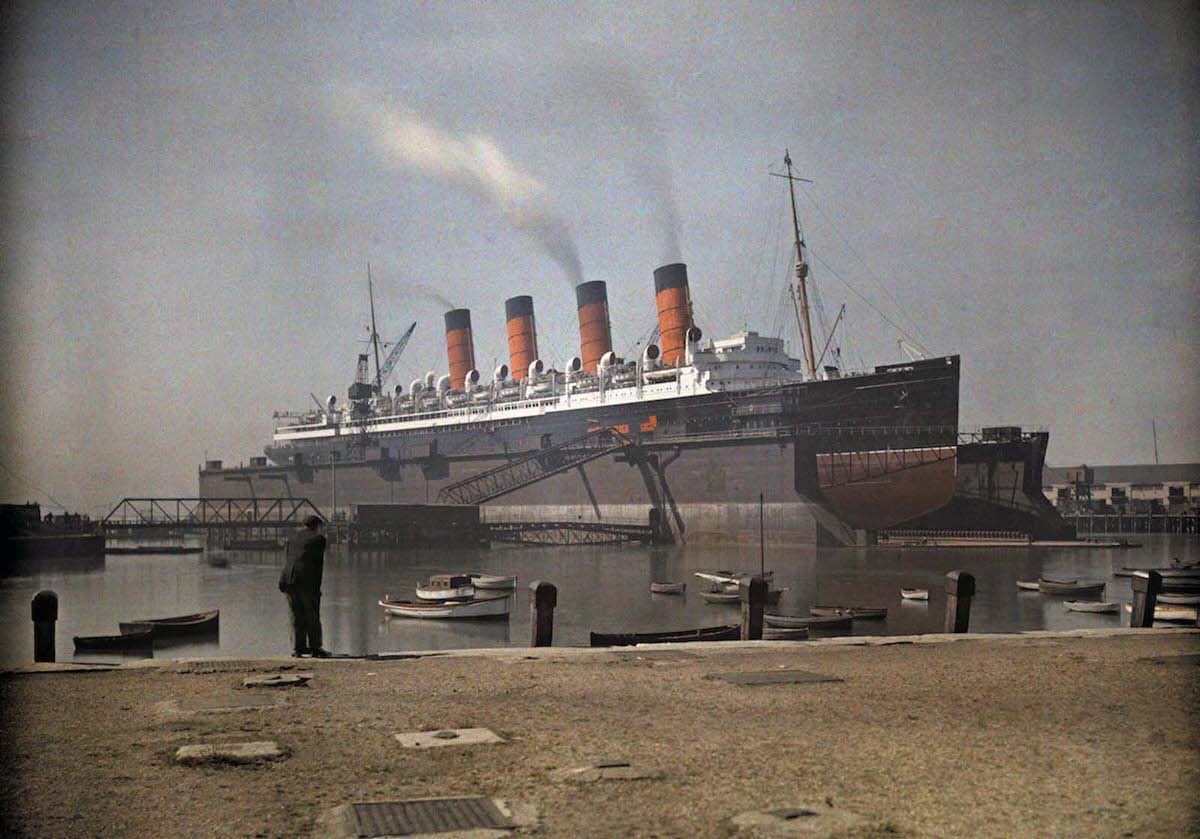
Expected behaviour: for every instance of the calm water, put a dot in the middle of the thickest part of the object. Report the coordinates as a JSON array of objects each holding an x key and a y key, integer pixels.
[{"x": 602, "y": 589}]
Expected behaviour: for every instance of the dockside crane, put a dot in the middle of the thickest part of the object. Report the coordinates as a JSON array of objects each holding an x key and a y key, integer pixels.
[{"x": 394, "y": 356}]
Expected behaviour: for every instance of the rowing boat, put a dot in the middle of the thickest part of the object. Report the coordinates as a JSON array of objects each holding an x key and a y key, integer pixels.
[
  {"x": 778, "y": 633},
  {"x": 678, "y": 636},
  {"x": 493, "y": 581},
  {"x": 914, "y": 593},
  {"x": 201, "y": 623},
  {"x": 1170, "y": 614},
  {"x": 1060, "y": 587},
  {"x": 1179, "y": 599},
  {"x": 852, "y": 612},
  {"x": 733, "y": 577},
  {"x": 140, "y": 640},
  {"x": 719, "y": 596},
  {"x": 476, "y": 607},
  {"x": 668, "y": 588},
  {"x": 1027, "y": 585},
  {"x": 1090, "y": 606},
  {"x": 810, "y": 622}
]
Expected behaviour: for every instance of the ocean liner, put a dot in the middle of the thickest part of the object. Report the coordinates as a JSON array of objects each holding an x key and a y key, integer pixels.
[{"x": 697, "y": 430}]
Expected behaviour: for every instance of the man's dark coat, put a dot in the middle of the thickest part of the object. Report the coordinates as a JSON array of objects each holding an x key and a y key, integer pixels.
[{"x": 305, "y": 562}]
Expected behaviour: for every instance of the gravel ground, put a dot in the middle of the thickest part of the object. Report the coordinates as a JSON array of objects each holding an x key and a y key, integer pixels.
[{"x": 1079, "y": 736}]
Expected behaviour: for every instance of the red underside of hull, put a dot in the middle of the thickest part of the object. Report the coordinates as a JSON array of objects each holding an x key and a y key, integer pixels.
[{"x": 876, "y": 490}]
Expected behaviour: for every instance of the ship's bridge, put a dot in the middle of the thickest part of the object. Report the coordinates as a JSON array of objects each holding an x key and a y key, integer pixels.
[{"x": 744, "y": 359}]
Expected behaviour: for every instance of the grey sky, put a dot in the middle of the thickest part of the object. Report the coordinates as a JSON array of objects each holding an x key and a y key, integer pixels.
[{"x": 191, "y": 208}]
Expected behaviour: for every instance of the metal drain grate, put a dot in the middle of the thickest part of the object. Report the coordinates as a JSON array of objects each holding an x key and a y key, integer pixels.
[{"x": 429, "y": 815}]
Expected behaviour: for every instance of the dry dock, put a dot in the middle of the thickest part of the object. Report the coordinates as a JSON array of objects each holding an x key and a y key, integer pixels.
[{"x": 1087, "y": 733}]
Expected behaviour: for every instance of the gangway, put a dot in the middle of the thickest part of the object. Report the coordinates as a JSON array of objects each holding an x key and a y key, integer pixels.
[
  {"x": 542, "y": 464},
  {"x": 145, "y": 513}
]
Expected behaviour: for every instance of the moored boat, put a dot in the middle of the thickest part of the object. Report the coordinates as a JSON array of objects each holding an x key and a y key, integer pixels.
[
  {"x": 200, "y": 623},
  {"x": 1059, "y": 587},
  {"x": 1179, "y": 599},
  {"x": 139, "y": 640},
  {"x": 476, "y": 607},
  {"x": 628, "y": 639},
  {"x": 777, "y": 633},
  {"x": 493, "y": 581},
  {"x": 1169, "y": 613},
  {"x": 447, "y": 587},
  {"x": 914, "y": 593},
  {"x": 1027, "y": 585},
  {"x": 733, "y": 578},
  {"x": 668, "y": 588},
  {"x": 719, "y": 596},
  {"x": 1090, "y": 606},
  {"x": 810, "y": 622},
  {"x": 852, "y": 612}
]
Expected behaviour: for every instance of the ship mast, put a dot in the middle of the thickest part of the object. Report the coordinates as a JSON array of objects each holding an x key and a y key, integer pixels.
[
  {"x": 800, "y": 289},
  {"x": 374, "y": 331}
]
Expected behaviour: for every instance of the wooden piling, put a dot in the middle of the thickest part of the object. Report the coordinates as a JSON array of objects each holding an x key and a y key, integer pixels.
[
  {"x": 753, "y": 593},
  {"x": 543, "y": 597},
  {"x": 1147, "y": 585},
  {"x": 960, "y": 588},
  {"x": 44, "y": 610}
]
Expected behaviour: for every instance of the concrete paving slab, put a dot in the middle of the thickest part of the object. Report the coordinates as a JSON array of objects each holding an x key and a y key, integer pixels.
[
  {"x": 448, "y": 737},
  {"x": 812, "y": 820},
  {"x": 277, "y": 680},
  {"x": 605, "y": 771},
  {"x": 772, "y": 677},
  {"x": 236, "y": 753},
  {"x": 226, "y": 702}
]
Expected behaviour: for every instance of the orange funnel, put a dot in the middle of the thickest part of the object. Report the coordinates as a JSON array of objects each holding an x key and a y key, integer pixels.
[
  {"x": 522, "y": 334},
  {"x": 674, "y": 310},
  {"x": 460, "y": 346},
  {"x": 595, "y": 334}
]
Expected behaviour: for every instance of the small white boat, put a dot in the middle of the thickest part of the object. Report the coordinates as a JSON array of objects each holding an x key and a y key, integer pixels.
[
  {"x": 1028, "y": 585},
  {"x": 492, "y": 581},
  {"x": 476, "y": 607},
  {"x": 1090, "y": 606},
  {"x": 732, "y": 578},
  {"x": 719, "y": 596},
  {"x": 1170, "y": 614},
  {"x": 668, "y": 588},
  {"x": 447, "y": 587},
  {"x": 1179, "y": 599},
  {"x": 914, "y": 593}
]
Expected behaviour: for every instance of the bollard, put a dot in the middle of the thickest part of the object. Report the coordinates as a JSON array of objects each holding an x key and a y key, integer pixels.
[
  {"x": 753, "y": 592},
  {"x": 44, "y": 609},
  {"x": 1146, "y": 587},
  {"x": 543, "y": 597},
  {"x": 960, "y": 588}
]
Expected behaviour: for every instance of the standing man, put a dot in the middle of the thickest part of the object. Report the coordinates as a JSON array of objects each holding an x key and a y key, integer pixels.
[{"x": 301, "y": 582}]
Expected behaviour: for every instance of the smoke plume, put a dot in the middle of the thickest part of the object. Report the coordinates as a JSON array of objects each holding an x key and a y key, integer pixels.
[
  {"x": 432, "y": 294},
  {"x": 474, "y": 162},
  {"x": 616, "y": 94}
]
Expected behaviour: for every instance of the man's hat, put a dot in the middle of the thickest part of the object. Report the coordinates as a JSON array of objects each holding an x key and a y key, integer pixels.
[{"x": 313, "y": 522}]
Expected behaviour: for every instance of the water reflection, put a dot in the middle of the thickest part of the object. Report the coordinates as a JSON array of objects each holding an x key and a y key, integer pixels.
[{"x": 599, "y": 589}]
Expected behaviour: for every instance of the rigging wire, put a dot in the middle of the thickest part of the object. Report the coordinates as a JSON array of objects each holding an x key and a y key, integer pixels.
[
  {"x": 32, "y": 485},
  {"x": 867, "y": 268}
]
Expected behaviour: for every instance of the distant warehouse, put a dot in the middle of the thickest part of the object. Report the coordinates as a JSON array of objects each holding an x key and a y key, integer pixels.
[{"x": 1168, "y": 488}]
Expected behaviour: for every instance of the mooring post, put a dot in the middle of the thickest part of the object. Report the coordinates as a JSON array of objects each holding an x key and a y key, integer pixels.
[
  {"x": 960, "y": 588},
  {"x": 753, "y": 593},
  {"x": 1146, "y": 587},
  {"x": 44, "y": 610},
  {"x": 543, "y": 597}
]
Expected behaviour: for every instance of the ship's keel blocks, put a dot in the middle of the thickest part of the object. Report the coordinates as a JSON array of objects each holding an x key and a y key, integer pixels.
[
  {"x": 811, "y": 820},
  {"x": 448, "y": 737},
  {"x": 235, "y": 753},
  {"x": 476, "y": 817}
]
